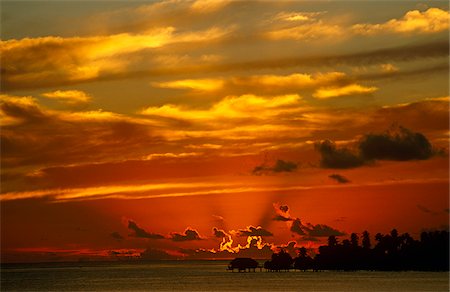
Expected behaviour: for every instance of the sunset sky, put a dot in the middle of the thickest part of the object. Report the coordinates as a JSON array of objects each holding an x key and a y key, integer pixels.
[{"x": 215, "y": 129}]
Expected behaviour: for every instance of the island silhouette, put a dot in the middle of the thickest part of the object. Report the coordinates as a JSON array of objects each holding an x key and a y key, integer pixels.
[{"x": 392, "y": 252}]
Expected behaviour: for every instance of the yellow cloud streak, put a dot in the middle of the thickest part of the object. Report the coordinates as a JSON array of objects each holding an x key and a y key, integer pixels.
[
  {"x": 278, "y": 82},
  {"x": 324, "y": 93},
  {"x": 297, "y": 80},
  {"x": 196, "y": 84},
  {"x": 171, "y": 155},
  {"x": 244, "y": 106},
  {"x": 77, "y": 193}
]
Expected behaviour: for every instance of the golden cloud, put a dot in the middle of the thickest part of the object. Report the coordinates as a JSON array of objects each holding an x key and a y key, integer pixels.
[
  {"x": 259, "y": 83},
  {"x": 45, "y": 61},
  {"x": 307, "y": 31},
  {"x": 231, "y": 107},
  {"x": 296, "y": 80},
  {"x": 68, "y": 96},
  {"x": 196, "y": 84},
  {"x": 352, "y": 89},
  {"x": 431, "y": 21}
]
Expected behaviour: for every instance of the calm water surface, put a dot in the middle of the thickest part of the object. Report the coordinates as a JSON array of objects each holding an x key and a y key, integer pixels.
[{"x": 205, "y": 276}]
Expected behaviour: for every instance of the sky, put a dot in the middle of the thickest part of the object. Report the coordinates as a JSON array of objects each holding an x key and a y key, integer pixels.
[{"x": 215, "y": 129}]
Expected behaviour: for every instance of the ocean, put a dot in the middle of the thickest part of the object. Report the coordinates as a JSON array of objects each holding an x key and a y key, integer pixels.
[{"x": 204, "y": 276}]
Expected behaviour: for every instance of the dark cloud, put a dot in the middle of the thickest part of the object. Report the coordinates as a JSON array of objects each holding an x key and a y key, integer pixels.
[
  {"x": 339, "y": 178},
  {"x": 311, "y": 231},
  {"x": 254, "y": 231},
  {"x": 189, "y": 234},
  {"x": 284, "y": 166},
  {"x": 141, "y": 233},
  {"x": 322, "y": 230},
  {"x": 219, "y": 233},
  {"x": 279, "y": 166},
  {"x": 333, "y": 157},
  {"x": 400, "y": 144},
  {"x": 298, "y": 227},
  {"x": 284, "y": 208},
  {"x": 281, "y": 218},
  {"x": 116, "y": 235},
  {"x": 124, "y": 254},
  {"x": 282, "y": 212}
]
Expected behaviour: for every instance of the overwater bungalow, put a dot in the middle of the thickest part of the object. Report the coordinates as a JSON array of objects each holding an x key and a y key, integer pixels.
[{"x": 243, "y": 264}]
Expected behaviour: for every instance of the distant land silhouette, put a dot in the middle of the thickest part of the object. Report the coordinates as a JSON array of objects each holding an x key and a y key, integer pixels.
[{"x": 392, "y": 252}]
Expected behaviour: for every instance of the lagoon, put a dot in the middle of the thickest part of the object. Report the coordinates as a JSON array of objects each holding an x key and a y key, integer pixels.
[{"x": 204, "y": 276}]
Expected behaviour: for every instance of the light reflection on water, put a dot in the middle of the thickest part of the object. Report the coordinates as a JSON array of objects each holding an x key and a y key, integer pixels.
[{"x": 205, "y": 276}]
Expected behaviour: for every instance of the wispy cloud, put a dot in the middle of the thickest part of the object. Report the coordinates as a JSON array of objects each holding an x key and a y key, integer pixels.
[
  {"x": 70, "y": 97},
  {"x": 233, "y": 107},
  {"x": 307, "y": 32},
  {"x": 195, "y": 84},
  {"x": 328, "y": 92},
  {"x": 52, "y": 61},
  {"x": 89, "y": 59},
  {"x": 167, "y": 190}
]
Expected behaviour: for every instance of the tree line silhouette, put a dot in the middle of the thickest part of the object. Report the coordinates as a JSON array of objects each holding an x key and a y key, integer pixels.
[{"x": 392, "y": 252}]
